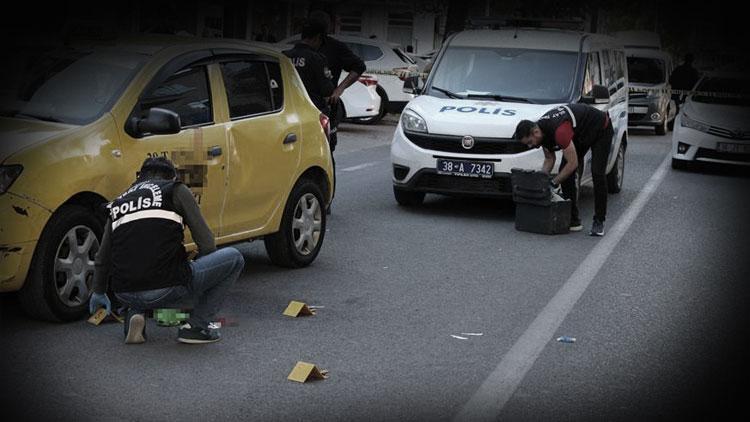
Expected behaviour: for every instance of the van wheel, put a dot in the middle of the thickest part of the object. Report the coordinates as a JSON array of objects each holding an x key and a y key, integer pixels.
[
  {"x": 407, "y": 198},
  {"x": 615, "y": 177},
  {"x": 60, "y": 278},
  {"x": 303, "y": 227}
]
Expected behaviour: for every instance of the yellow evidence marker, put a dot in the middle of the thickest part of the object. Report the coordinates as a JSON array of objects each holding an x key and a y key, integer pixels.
[
  {"x": 304, "y": 371},
  {"x": 296, "y": 309},
  {"x": 101, "y": 314}
]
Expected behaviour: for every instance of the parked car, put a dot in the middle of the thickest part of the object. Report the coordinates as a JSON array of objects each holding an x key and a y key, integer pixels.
[
  {"x": 650, "y": 95},
  {"x": 456, "y": 136},
  {"x": 379, "y": 55},
  {"x": 245, "y": 138},
  {"x": 713, "y": 124}
]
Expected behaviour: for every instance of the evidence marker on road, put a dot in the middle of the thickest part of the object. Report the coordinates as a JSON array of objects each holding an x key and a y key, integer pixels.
[
  {"x": 304, "y": 371},
  {"x": 101, "y": 314},
  {"x": 296, "y": 309}
]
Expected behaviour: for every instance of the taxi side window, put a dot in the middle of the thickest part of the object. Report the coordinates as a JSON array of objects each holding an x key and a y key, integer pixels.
[
  {"x": 253, "y": 87},
  {"x": 186, "y": 93}
]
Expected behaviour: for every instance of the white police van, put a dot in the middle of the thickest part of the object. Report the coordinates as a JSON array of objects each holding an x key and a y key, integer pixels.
[{"x": 455, "y": 138}]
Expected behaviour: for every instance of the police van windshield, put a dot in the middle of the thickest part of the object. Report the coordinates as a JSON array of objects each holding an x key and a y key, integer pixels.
[
  {"x": 645, "y": 70},
  {"x": 68, "y": 86},
  {"x": 537, "y": 76}
]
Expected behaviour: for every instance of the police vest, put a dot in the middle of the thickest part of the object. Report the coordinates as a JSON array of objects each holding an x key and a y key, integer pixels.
[
  {"x": 587, "y": 122},
  {"x": 147, "y": 236}
]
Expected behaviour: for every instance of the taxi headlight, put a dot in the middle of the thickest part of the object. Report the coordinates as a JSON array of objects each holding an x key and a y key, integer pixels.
[
  {"x": 8, "y": 175},
  {"x": 693, "y": 124},
  {"x": 413, "y": 122}
]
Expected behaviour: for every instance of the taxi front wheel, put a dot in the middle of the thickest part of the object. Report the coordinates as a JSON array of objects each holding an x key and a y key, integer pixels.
[
  {"x": 303, "y": 227},
  {"x": 58, "y": 285}
]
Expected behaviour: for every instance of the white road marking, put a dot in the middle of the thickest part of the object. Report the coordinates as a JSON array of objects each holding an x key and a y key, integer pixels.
[
  {"x": 489, "y": 400},
  {"x": 360, "y": 166},
  {"x": 459, "y": 337}
]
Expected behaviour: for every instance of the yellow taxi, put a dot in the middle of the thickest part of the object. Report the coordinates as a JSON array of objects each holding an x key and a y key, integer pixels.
[{"x": 233, "y": 117}]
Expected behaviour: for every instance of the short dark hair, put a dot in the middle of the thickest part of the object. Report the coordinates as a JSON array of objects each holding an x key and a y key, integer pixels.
[
  {"x": 312, "y": 28},
  {"x": 322, "y": 18},
  {"x": 157, "y": 168},
  {"x": 523, "y": 129}
]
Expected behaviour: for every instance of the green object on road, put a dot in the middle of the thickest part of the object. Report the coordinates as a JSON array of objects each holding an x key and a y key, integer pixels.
[{"x": 170, "y": 317}]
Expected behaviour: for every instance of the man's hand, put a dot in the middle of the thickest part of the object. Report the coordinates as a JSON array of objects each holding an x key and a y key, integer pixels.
[
  {"x": 337, "y": 93},
  {"x": 99, "y": 300},
  {"x": 554, "y": 187}
]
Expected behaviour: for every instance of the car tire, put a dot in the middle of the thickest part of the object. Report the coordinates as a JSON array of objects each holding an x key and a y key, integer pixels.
[
  {"x": 662, "y": 129},
  {"x": 407, "y": 198},
  {"x": 670, "y": 125},
  {"x": 57, "y": 288},
  {"x": 381, "y": 112},
  {"x": 616, "y": 175},
  {"x": 302, "y": 229}
]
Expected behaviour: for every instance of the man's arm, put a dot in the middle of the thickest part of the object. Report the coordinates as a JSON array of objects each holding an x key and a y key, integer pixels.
[
  {"x": 185, "y": 204},
  {"x": 571, "y": 164},
  {"x": 549, "y": 161},
  {"x": 102, "y": 262},
  {"x": 351, "y": 63}
]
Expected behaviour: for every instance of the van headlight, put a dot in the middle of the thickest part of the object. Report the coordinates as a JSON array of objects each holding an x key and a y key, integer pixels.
[
  {"x": 8, "y": 175},
  {"x": 693, "y": 124},
  {"x": 413, "y": 122}
]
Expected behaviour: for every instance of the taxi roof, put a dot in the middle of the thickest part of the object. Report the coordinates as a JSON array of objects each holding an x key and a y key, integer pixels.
[{"x": 532, "y": 38}]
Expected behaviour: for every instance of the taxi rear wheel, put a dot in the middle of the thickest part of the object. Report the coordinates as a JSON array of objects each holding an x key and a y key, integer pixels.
[
  {"x": 303, "y": 227},
  {"x": 60, "y": 278}
]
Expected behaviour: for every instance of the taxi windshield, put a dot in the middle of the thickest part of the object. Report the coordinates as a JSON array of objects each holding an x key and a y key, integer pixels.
[
  {"x": 71, "y": 86},
  {"x": 537, "y": 76}
]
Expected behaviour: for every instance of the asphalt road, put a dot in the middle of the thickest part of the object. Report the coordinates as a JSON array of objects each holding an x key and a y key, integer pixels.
[{"x": 658, "y": 308}]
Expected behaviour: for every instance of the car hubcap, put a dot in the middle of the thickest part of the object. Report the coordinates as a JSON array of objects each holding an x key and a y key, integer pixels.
[
  {"x": 306, "y": 224},
  {"x": 74, "y": 265}
]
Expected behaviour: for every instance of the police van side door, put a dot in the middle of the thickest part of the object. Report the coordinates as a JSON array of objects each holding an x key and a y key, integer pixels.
[{"x": 198, "y": 150}]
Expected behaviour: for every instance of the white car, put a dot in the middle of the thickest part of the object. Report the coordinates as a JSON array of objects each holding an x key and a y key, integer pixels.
[
  {"x": 360, "y": 101},
  {"x": 379, "y": 55},
  {"x": 714, "y": 127},
  {"x": 456, "y": 136}
]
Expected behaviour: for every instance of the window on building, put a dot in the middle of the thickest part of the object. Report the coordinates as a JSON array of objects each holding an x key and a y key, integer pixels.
[{"x": 351, "y": 22}]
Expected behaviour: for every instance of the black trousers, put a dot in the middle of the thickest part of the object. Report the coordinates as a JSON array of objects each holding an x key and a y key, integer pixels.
[{"x": 599, "y": 156}]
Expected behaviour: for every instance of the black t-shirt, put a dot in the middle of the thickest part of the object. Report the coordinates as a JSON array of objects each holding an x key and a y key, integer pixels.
[
  {"x": 314, "y": 72},
  {"x": 587, "y": 123},
  {"x": 339, "y": 57}
]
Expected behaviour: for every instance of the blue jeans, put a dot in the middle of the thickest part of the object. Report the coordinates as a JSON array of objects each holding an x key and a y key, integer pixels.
[{"x": 212, "y": 276}]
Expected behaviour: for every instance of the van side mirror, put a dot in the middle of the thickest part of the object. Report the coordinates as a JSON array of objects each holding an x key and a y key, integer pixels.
[
  {"x": 158, "y": 121},
  {"x": 600, "y": 94},
  {"x": 413, "y": 85}
]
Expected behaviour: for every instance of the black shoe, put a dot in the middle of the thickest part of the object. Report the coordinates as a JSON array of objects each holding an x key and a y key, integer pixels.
[
  {"x": 597, "y": 228},
  {"x": 135, "y": 328},
  {"x": 575, "y": 225},
  {"x": 197, "y": 335}
]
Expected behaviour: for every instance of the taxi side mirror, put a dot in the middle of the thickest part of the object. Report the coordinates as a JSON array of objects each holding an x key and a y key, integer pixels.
[{"x": 158, "y": 121}]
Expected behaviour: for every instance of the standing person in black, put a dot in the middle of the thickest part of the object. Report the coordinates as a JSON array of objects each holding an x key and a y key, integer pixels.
[
  {"x": 683, "y": 77},
  {"x": 339, "y": 58},
  {"x": 574, "y": 129},
  {"x": 312, "y": 67},
  {"x": 143, "y": 259}
]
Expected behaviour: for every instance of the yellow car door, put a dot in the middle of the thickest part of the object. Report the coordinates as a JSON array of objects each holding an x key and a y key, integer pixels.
[
  {"x": 262, "y": 138},
  {"x": 199, "y": 149}
]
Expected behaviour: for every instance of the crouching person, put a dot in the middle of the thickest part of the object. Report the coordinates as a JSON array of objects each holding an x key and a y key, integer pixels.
[{"x": 143, "y": 257}]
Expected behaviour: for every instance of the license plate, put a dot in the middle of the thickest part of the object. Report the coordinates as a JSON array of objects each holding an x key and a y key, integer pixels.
[
  {"x": 733, "y": 148},
  {"x": 638, "y": 110},
  {"x": 465, "y": 168}
]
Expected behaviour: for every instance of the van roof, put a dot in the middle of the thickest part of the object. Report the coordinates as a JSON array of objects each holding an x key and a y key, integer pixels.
[{"x": 533, "y": 38}]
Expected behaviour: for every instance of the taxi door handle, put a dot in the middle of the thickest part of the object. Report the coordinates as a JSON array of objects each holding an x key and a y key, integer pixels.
[
  {"x": 290, "y": 139},
  {"x": 214, "y": 151}
]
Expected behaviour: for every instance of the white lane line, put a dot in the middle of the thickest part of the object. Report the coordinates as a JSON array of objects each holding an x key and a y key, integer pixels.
[
  {"x": 361, "y": 166},
  {"x": 489, "y": 400}
]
